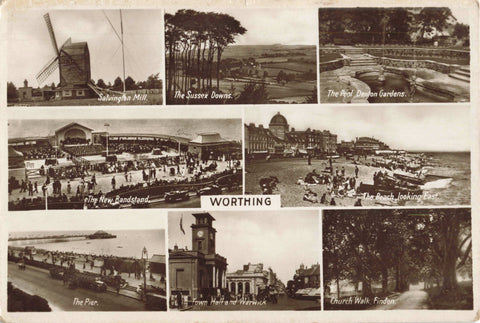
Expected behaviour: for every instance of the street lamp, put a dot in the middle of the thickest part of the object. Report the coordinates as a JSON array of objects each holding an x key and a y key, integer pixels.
[
  {"x": 106, "y": 129},
  {"x": 145, "y": 257}
]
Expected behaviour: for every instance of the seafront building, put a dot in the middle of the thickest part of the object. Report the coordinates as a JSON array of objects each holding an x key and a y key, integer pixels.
[
  {"x": 81, "y": 143},
  {"x": 280, "y": 139}
]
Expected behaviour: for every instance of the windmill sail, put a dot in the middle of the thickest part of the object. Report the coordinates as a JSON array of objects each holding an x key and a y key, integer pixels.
[
  {"x": 47, "y": 70},
  {"x": 52, "y": 34}
]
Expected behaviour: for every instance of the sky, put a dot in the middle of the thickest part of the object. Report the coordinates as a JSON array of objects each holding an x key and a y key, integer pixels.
[
  {"x": 281, "y": 240},
  {"x": 420, "y": 128},
  {"x": 59, "y": 221},
  {"x": 30, "y": 47},
  {"x": 462, "y": 14},
  {"x": 230, "y": 129},
  {"x": 275, "y": 26}
]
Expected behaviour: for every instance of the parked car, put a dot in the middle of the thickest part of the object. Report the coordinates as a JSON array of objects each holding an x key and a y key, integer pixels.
[
  {"x": 176, "y": 196},
  {"x": 210, "y": 190}
]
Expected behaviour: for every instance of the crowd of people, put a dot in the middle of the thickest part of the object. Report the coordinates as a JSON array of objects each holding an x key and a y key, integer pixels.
[
  {"x": 36, "y": 152},
  {"x": 84, "y": 150},
  {"x": 82, "y": 187},
  {"x": 120, "y": 148},
  {"x": 338, "y": 184}
]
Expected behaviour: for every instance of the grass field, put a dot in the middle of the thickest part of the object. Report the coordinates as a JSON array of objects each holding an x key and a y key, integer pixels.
[
  {"x": 256, "y": 51},
  {"x": 152, "y": 99},
  {"x": 276, "y": 91},
  {"x": 462, "y": 300},
  {"x": 299, "y": 67}
]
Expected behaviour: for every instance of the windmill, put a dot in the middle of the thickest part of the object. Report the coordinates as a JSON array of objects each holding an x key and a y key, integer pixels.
[{"x": 73, "y": 62}]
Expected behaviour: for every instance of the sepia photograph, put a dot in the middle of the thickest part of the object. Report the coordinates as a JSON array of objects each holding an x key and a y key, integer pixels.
[
  {"x": 394, "y": 55},
  {"x": 244, "y": 260},
  {"x": 94, "y": 267},
  {"x": 84, "y": 57},
  {"x": 361, "y": 156},
  {"x": 122, "y": 163},
  {"x": 241, "y": 56},
  {"x": 397, "y": 259}
]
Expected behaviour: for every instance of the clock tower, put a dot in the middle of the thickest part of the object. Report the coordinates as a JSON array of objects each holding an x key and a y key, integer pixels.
[{"x": 203, "y": 234}]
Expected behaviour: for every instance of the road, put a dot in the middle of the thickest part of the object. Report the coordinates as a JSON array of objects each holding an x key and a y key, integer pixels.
[
  {"x": 38, "y": 282},
  {"x": 284, "y": 303},
  {"x": 411, "y": 300}
]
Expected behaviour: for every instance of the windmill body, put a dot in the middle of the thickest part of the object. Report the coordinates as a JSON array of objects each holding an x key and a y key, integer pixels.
[{"x": 73, "y": 63}]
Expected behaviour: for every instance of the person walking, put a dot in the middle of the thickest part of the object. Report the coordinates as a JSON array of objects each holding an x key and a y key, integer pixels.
[
  {"x": 356, "y": 171},
  {"x": 114, "y": 182}
]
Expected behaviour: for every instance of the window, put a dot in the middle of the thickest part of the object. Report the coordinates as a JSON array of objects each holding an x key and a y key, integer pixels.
[
  {"x": 67, "y": 93},
  {"x": 199, "y": 243},
  {"x": 80, "y": 93}
]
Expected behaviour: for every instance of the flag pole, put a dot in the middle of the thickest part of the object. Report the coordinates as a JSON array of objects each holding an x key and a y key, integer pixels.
[{"x": 123, "y": 50}]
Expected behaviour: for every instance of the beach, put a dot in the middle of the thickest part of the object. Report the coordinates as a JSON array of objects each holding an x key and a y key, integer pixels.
[{"x": 290, "y": 170}]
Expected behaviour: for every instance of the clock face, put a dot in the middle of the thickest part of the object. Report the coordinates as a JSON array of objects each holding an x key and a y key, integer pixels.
[{"x": 200, "y": 234}]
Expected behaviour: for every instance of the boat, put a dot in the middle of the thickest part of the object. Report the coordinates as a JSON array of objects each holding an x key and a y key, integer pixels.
[
  {"x": 433, "y": 177},
  {"x": 410, "y": 179},
  {"x": 420, "y": 180}
]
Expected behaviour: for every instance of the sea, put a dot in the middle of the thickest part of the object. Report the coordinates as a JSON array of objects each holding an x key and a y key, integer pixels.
[
  {"x": 128, "y": 243},
  {"x": 456, "y": 190}
]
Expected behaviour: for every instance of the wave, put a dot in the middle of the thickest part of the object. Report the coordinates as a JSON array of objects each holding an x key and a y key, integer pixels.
[{"x": 440, "y": 183}]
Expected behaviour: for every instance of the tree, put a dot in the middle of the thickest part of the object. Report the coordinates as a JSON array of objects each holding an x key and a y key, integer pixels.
[
  {"x": 253, "y": 94},
  {"x": 431, "y": 20},
  {"x": 194, "y": 43},
  {"x": 12, "y": 93},
  {"x": 461, "y": 31},
  {"x": 313, "y": 98},
  {"x": 397, "y": 245},
  {"x": 153, "y": 82},
  {"x": 101, "y": 83},
  {"x": 130, "y": 83},
  {"x": 118, "y": 84},
  {"x": 335, "y": 259},
  {"x": 281, "y": 76}
]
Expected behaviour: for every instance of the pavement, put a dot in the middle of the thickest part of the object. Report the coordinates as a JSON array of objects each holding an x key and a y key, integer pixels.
[
  {"x": 284, "y": 303},
  {"x": 104, "y": 181},
  {"x": 132, "y": 283},
  {"x": 37, "y": 281},
  {"x": 410, "y": 300}
]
